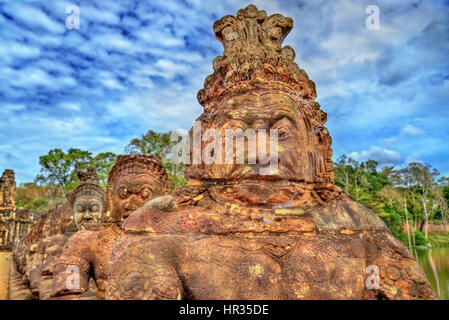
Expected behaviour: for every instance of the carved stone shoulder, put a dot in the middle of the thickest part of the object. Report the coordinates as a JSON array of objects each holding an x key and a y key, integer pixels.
[{"x": 349, "y": 215}]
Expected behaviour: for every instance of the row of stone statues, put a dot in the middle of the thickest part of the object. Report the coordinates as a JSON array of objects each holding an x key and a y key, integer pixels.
[
  {"x": 80, "y": 233},
  {"x": 230, "y": 233}
]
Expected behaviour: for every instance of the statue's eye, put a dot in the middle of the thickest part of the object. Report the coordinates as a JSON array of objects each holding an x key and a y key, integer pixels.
[
  {"x": 145, "y": 193},
  {"x": 123, "y": 193},
  {"x": 80, "y": 208},
  {"x": 94, "y": 208},
  {"x": 283, "y": 133}
]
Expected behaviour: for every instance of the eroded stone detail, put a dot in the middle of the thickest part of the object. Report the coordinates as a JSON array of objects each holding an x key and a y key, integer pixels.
[
  {"x": 133, "y": 181},
  {"x": 41, "y": 245},
  {"x": 8, "y": 223},
  {"x": 233, "y": 234}
]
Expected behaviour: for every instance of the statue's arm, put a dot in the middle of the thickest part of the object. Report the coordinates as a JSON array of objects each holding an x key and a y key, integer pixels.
[
  {"x": 399, "y": 275},
  {"x": 139, "y": 270},
  {"x": 72, "y": 268}
]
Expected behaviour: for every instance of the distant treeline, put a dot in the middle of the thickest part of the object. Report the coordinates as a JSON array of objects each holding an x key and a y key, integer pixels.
[{"x": 406, "y": 199}]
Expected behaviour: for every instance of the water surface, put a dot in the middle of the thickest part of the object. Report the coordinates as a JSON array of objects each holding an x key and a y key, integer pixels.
[{"x": 435, "y": 263}]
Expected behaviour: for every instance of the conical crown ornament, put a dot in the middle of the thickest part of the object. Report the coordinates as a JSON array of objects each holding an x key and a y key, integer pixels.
[{"x": 254, "y": 58}]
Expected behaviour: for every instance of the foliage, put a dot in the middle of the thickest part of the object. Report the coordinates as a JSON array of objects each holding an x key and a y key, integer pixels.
[
  {"x": 446, "y": 194},
  {"x": 439, "y": 239},
  {"x": 411, "y": 194},
  {"x": 152, "y": 142},
  {"x": 420, "y": 239},
  {"x": 103, "y": 163},
  {"x": 32, "y": 196},
  {"x": 59, "y": 167},
  {"x": 159, "y": 144}
]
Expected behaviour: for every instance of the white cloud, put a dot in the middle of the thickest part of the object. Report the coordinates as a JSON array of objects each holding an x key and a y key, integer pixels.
[
  {"x": 34, "y": 77},
  {"x": 71, "y": 106},
  {"x": 7, "y": 109},
  {"x": 14, "y": 50},
  {"x": 34, "y": 17},
  {"x": 413, "y": 157},
  {"x": 381, "y": 155},
  {"x": 411, "y": 131}
]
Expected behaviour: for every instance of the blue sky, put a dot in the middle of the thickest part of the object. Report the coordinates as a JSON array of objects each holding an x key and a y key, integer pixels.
[{"x": 138, "y": 65}]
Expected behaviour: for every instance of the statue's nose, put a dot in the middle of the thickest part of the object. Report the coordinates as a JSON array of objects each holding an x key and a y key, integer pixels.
[
  {"x": 88, "y": 215},
  {"x": 133, "y": 203}
]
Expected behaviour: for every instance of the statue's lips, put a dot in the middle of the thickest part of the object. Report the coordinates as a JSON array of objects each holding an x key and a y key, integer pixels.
[{"x": 85, "y": 222}]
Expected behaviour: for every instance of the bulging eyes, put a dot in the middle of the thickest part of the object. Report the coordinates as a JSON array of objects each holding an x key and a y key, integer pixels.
[
  {"x": 145, "y": 193},
  {"x": 123, "y": 193},
  {"x": 80, "y": 208},
  {"x": 283, "y": 133},
  {"x": 94, "y": 208}
]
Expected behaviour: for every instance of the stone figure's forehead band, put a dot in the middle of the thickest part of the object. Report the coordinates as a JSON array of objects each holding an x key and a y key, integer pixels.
[
  {"x": 89, "y": 186},
  {"x": 135, "y": 164}
]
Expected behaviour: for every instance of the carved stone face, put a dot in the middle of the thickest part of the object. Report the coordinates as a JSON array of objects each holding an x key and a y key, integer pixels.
[
  {"x": 297, "y": 152},
  {"x": 131, "y": 191},
  {"x": 86, "y": 209}
]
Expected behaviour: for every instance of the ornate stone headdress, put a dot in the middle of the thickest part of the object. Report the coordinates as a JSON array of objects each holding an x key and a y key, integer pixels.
[
  {"x": 135, "y": 164},
  {"x": 254, "y": 58},
  {"x": 89, "y": 186}
]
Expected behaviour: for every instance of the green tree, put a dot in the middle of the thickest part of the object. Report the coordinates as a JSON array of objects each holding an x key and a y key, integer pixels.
[
  {"x": 32, "y": 196},
  {"x": 446, "y": 194},
  {"x": 159, "y": 144},
  {"x": 406, "y": 199},
  {"x": 103, "y": 163},
  {"x": 154, "y": 143},
  {"x": 58, "y": 167},
  {"x": 422, "y": 179}
]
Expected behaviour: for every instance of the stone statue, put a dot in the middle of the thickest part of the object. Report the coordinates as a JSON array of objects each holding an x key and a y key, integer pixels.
[
  {"x": 133, "y": 180},
  {"x": 234, "y": 233},
  {"x": 88, "y": 200},
  {"x": 47, "y": 226},
  {"x": 85, "y": 205}
]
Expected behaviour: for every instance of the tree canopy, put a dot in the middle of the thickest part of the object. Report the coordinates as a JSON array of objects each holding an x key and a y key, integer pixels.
[
  {"x": 59, "y": 167},
  {"x": 406, "y": 199},
  {"x": 159, "y": 144}
]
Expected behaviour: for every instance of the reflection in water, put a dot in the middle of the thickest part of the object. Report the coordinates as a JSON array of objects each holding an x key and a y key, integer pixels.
[{"x": 435, "y": 263}]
